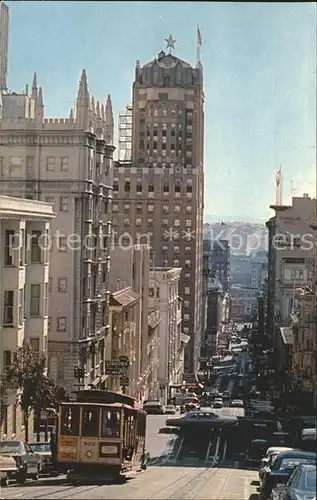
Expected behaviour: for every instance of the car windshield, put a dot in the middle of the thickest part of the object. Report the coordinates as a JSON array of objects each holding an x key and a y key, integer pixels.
[
  {"x": 310, "y": 480},
  {"x": 40, "y": 447},
  {"x": 10, "y": 447},
  {"x": 289, "y": 463}
]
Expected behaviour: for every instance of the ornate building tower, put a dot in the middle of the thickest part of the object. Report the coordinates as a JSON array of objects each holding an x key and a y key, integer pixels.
[{"x": 164, "y": 184}]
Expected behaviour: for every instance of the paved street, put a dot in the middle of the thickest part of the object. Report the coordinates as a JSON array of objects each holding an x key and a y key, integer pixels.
[{"x": 159, "y": 482}]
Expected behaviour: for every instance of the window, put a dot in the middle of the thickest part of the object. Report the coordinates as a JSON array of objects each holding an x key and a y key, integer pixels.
[
  {"x": 8, "y": 305},
  {"x": 166, "y": 189},
  {"x": 188, "y": 223},
  {"x": 186, "y": 317},
  {"x": 7, "y": 358},
  {"x": 126, "y": 222},
  {"x": 35, "y": 300},
  {"x": 165, "y": 222},
  {"x": 186, "y": 304},
  {"x": 127, "y": 187},
  {"x": 189, "y": 209},
  {"x": 35, "y": 247},
  {"x": 61, "y": 324},
  {"x": 126, "y": 207},
  {"x": 151, "y": 292},
  {"x": 49, "y": 323},
  {"x": 115, "y": 207},
  {"x": 139, "y": 188},
  {"x": 63, "y": 204},
  {"x": 50, "y": 285},
  {"x": 90, "y": 422},
  {"x": 70, "y": 421},
  {"x": 51, "y": 200},
  {"x": 111, "y": 423},
  {"x": 50, "y": 163},
  {"x": 64, "y": 164},
  {"x": 186, "y": 330},
  {"x": 187, "y": 276},
  {"x": 62, "y": 244},
  {"x": 176, "y": 249},
  {"x": 151, "y": 188},
  {"x": 176, "y": 263},
  {"x": 62, "y": 285},
  {"x": 189, "y": 189},
  {"x": 177, "y": 189},
  {"x": 150, "y": 208},
  {"x": 21, "y": 304},
  {"x": 115, "y": 187},
  {"x": 187, "y": 262},
  {"x": 35, "y": 343},
  {"x": 138, "y": 222},
  {"x": 188, "y": 248},
  {"x": 177, "y": 209},
  {"x": 177, "y": 222},
  {"x": 8, "y": 247},
  {"x": 165, "y": 209}
]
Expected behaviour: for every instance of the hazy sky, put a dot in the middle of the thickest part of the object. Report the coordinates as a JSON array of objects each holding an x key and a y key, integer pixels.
[{"x": 259, "y": 72}]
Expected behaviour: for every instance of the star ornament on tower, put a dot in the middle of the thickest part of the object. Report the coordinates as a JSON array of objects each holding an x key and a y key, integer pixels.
[{"x": 170, "y": 43}]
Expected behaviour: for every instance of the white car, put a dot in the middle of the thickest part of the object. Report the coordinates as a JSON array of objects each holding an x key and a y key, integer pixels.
[
  {"x": 237, "y": 403},
  {"x": 218, "y": 403}
]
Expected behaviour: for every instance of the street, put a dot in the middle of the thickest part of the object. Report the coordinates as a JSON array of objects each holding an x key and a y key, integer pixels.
[{"x": 160, "y": 482}]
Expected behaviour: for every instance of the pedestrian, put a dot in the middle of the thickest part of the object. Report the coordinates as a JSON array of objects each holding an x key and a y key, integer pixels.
[{"x": 53, "y": 447}]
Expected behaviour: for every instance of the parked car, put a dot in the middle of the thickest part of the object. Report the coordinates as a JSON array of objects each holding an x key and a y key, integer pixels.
[
  {"x": 28, "y": 463},
  {"x": 282, "y": 468},
  {"x": 256, "y": 450},
  {"x": 268, "y": 459},
  {"x": 44, "y": 451},
  {"x": 300, "y": 485},
  {"x": 218, "y": 403},
  {"x": 170, "y": 410},
  {"x": 8, "y": 469}
]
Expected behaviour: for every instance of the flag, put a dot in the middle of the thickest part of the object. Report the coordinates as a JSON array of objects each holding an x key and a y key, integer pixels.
[
  {"x": 199, "y": 37},
  {"x": 278, "y": 177}
]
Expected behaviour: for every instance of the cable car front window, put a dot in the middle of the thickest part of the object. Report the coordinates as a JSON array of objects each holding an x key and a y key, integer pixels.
[
  {"x": 70, "y": 421},
  {"x": 111, "y": 420},
  {"x": 90, "y": 422}
]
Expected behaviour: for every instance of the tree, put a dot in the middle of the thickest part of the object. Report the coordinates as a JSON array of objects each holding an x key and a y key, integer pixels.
[
  {"x": 3, "y": 398},
  {"x": 27, "y": 374}
]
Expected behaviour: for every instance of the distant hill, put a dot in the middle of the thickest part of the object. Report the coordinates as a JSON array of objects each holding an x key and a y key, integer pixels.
[{"x": 232, "y": 218}]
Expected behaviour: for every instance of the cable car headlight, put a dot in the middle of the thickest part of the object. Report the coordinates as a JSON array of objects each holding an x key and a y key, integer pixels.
[{"x": 88, "y": 454}]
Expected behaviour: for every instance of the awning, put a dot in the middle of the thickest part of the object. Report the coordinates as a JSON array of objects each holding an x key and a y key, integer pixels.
[
  {"x": 185, "y": 338},
  {"x": 124, "y": 298}
]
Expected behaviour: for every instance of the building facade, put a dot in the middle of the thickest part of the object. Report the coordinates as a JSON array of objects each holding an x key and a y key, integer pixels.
[
  {"x": 161, "y": 192},
  {"x": 4, "y": 45},
  {"x": 130, "y": 267},
  {"x": 290, "y": 259},
  {"x": 24, "y": 278},
  {"x": 67, "y": 162},
  {"x": 164, "y": 295}
]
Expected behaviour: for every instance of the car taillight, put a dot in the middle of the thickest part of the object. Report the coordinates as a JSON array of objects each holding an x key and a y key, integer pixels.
[{"x": 18, "y": 461}]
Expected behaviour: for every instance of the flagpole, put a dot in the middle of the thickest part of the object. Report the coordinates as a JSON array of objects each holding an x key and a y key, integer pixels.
[
  {"x": 198, "y": 42},
  {"x": 281, "y": 187}
]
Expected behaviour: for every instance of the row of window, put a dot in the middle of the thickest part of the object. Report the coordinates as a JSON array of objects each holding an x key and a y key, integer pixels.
[
  {"x": 165, "y": 222},
  {"x": 139, "y": 208},
  {"x": 14, "y": 169},
  {"x": 139, "y": 188},
  {"x": 63, "y": 202},
  {"x": 61, "y": 163},
  {"x": 34, "y": 308},
  {"x": 61, "y": 285}
]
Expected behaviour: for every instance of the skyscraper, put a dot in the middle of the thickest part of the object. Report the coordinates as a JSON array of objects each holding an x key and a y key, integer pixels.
[
  {"x": 4, "y": 44},
  {"x": 161, "y": 193}
]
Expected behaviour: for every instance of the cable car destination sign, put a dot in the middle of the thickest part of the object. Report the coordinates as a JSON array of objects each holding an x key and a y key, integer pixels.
[{"x": 117, "y": 366}]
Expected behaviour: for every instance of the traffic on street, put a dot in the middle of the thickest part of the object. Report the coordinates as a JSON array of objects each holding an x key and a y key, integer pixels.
[{"x": 224, "y": 441}]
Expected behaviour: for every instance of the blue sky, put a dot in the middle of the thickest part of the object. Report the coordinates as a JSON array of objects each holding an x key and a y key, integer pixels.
[{"x": 259, "y": 71}]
